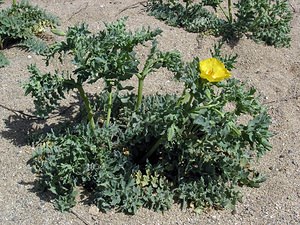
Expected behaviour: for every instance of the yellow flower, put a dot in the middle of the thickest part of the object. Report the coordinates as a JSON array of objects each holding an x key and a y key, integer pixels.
[{"x": 213, "y": 70}]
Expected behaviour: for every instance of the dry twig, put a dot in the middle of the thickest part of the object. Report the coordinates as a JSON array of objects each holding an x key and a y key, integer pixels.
[
  {"x": 132, "y": 6},
  {"x": 78, "y": 11}
]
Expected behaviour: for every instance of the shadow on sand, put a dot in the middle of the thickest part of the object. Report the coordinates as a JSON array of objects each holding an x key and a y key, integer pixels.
[{"x": 23, "y": 129}]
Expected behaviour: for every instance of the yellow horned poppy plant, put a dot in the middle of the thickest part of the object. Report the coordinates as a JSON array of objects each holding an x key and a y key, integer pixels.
[{"x": 213, "y": 70}]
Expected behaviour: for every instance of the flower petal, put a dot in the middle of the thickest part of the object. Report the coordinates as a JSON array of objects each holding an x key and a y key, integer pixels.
[{"x": 213, "y": 70}]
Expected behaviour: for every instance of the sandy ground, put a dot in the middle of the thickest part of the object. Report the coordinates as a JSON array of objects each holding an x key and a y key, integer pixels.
[{"x": 274, "y": 72}]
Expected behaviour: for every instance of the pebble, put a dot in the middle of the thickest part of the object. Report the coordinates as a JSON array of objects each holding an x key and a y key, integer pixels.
[{"x": 93, "y": 210}]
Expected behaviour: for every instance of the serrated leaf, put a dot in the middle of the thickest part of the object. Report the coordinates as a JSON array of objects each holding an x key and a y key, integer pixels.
[{"x": 172, "y": 132}]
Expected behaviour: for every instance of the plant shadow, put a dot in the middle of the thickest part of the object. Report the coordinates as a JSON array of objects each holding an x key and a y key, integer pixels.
[
  {"x": 45, "y": 196},
  {"x": 38, "y": 190},
  {"x": 23, "y": 129},
  {"x": 231, "y": 41}
]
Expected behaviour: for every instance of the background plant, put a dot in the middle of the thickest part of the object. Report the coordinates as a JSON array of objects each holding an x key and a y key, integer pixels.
[
  {"x": 266, "y": 21},
  {"x": 146, "y": 151},
  {"x": 23, "y": 24}
]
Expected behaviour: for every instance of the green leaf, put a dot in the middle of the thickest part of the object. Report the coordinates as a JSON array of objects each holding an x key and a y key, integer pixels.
[
  {"x": 172, "y": 132},
  {"x": 3, "y": 60},
  {"x": 58, "y": 32}
]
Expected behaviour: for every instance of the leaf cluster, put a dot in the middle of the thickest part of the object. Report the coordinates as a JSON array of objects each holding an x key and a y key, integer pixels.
[
  {"x": 22, "y": 23},
  {"x": 228, "y": 60},
  {"x": 91, "y": 159},
  {"x": 193, "y": 17},
  {"x": 264, "y": 21},
  {"x": 108, "y": 55},
  {"x": 200, "y": 160},
  {"x": 46, "y": 89}
]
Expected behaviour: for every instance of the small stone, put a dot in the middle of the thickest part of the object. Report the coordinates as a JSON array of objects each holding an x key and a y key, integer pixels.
[
  {"x": 29, "y": 56},
  {"x": 93, "y": 210},
  {"x": 271, "y": 168}
]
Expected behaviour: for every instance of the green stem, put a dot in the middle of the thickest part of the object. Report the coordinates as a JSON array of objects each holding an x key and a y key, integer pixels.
[
  {"x": 153, "y": 149},
  {"x": 109, "y": 106},
  {"x": 14, "y": 2},
  {"x": 1, "y": 43},
  {"x": 229, "y": 11},
  {"x": 204, "y": 107},
  {"x": 225, "y": 14},
  {"x": 140, "y": 93},
  {"x": 87, "y": 106},
  {"x": 187, "y": 3},
  {"x": 219, "y": 112},
  {"x": 191, "y": 100},
  {"x": 179, "y": 102}
]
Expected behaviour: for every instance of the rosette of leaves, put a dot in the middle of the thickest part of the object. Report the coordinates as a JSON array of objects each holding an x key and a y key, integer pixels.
[{"x": 22, "y": 23}]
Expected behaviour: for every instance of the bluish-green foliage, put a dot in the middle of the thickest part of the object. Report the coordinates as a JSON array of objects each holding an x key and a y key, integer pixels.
[
  {"x": 22, "y": 23},
  {"x": 195, "y": 149},
  {"x": 266, "y": 21},
  {"x": 3, "y": 60}
]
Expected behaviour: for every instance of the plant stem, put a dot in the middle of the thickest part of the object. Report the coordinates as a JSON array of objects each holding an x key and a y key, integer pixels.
[
  {"x": 187, "y": 3},
  {"x": 229, "y": 11},
  {"x": 140, "y": 93},
  {"x": 229, "y": 14},
  {"x": 14, "y": 2},
  {"x": 191, "y": 100},
  {"x": 204, "y": 107},
  {"x": 153, "y": 149},
  {"x": 109, "y": 106},
  {"x": 87, "y": 106},
  {"x": 1, "y": 43}
]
